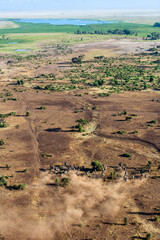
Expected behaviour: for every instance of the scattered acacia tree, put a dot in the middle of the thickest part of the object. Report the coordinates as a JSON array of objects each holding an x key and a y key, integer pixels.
[
  {"x": 64, "y": 182},
  {"x": 17, "y": 187},
  {"x": 97, "y": 165},
  {"x": 3, "y": 182},
  {"x": 79, "y": 127},
  {"x": 27, "y": 113},
  {"x": 42, "y": 107},
  {"x": 126, "y": 155},
  {"x": 3, "y": 124},
  {"x": 151, "y": 79},
  {"x": 8, "y": 166},
  {"x": 77, "y": 59},
  {"x": 148, "y": 236},
  {"x": 128, "y": 118},
  {"x": 20, "y": 82},
  {"x": 99, "y": 58}
]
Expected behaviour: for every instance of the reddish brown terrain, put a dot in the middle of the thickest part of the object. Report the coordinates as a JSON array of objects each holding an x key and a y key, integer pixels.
[{"x": 93, "y": 204}]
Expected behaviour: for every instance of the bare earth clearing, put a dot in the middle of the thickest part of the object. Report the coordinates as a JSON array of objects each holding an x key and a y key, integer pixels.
[{"x": 93, "y": 205}]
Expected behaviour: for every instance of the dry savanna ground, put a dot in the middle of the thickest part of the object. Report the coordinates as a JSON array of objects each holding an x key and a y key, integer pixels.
[{"x": 56, "y": 114}]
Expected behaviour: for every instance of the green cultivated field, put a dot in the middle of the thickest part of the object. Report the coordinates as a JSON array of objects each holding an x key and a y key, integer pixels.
[{"x": 141, "y": 29}]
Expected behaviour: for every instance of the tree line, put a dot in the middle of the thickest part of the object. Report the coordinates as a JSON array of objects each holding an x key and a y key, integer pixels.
[
  {"x": 157, "y": 24},
  {"x": 116, "y": 31}
]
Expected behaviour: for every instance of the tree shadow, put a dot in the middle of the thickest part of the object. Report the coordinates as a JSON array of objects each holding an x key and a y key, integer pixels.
[
  {"x": 124, "y": 155},
  {"x": 120, "y": 120},
  {"x": 138, "y": 237},
  {"x": 51, "y": 184},
  {"x": 43, "y": 170},
  {"x": 144, "y": 213},
  {"x": 111, "y": 223},
  {"x": 59, "y": 130}
]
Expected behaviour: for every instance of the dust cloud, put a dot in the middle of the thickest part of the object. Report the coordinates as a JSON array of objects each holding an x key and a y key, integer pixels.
[{"x": 54, "y": 210}]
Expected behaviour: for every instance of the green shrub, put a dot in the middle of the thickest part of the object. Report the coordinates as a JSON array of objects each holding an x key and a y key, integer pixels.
[
  {"x": 125, "y": 221},
  {"x": 112, "y": 175},
  {"x": 128, "y": 118},
  {"x": 27, "y": 113},
  {"x": 126, "y": 155},
  {"x": 57, "y": 181},
  {"x": 42, "y": 107},
  {"x": 148, "y": 236},
  {"x": 153, "y": 121},
  {"x": 3, "y": 124},
  {"x": 134, "y": 132},
  {"x": 17, "y": 187},
  {"x": 3, "y": 182},
  {"x": 80, "y": 128},
  {"x": 2, "y": 142},
  {"x": 82, "y": 121},
  {"x": 97, "y": 165},
  {"x": 103, "y": 94},
  {"x": 156, "y": 219},
  {"x": 120, "y": 132},
  {"x": 64, "y": 182},
  {"x": 8, "y": 166},
  {"x": 123, "y": 113},
  {"x": 7, "y": 115},
  {"x": 20, "y": 82}
]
